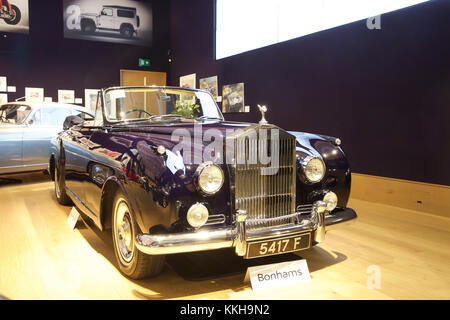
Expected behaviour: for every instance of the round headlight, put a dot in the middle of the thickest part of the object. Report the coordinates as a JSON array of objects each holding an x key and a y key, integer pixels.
[
  {"x": 331, "y": 200},
  {"x": 210, "y": 178},
  {"x": 197, "y": 215},
  {"x": 314, "y": 169}
]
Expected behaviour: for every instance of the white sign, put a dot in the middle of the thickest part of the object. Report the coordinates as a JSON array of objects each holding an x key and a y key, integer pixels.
[
  {"x": 78, "y": 101},
  {"x": 73, "y": 218},
  {"x": 48, "y": 99},
  {"x": 278, "y": 274},
  {"x": 11, "y": 89}
]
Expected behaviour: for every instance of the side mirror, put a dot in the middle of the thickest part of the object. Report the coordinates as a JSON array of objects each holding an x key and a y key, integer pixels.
[{"x": 72, "y": 121}]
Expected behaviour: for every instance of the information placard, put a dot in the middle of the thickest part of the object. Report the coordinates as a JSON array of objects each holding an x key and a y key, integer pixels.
[
  {"x": 278, "y": 274},
  {"x": 73, "y": 218}
]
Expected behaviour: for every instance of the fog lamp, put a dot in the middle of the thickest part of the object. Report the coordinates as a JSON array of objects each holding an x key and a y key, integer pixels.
[
  {"x": 331, "y": 200},
  {"x": 197, "y": 215}
]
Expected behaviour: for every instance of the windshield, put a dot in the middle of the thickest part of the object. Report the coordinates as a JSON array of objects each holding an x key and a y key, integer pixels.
[
  {"x": 15, "y": 114},
  {"x": 159, "y": 103}
]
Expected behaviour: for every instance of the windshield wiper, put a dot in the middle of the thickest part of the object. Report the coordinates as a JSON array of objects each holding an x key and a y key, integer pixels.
[
  {"x": 154, "y": 117},
  {"x": 166, "y": 116},
  {"x": 207, "y": 117}
]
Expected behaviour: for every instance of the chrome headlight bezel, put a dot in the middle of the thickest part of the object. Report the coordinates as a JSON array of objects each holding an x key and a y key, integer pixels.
[
  {"x": 201, "y": 170},
  {"x": 309, "y": 161}
]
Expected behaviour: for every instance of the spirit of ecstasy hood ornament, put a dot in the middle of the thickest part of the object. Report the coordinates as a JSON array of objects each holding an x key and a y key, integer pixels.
[{"x": 263, "y": 110}]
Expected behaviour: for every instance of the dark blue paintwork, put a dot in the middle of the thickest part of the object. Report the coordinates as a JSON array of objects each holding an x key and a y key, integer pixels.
[{"x": 96, "y": 160}]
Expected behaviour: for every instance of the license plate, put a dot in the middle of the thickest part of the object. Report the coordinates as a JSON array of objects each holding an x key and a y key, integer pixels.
[{"x": 277, "y": 246}]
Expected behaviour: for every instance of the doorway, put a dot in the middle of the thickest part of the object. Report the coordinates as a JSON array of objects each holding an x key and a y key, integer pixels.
[{"x": 142, "y": 78}]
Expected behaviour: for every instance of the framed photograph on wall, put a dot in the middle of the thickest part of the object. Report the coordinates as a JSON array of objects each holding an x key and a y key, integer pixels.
[
  {"x": 233, "y": 98},
  {"x": 188, "y": 81},
  {"x": 210, "y": 85},
  {"x": 90, "y": 99},
  {"x": 14, "y": 16},
  {"x": 3, "y": 85},
  {"x": 66, "y": 96},
  {"x": 3, "y": 98},
  {"x": 34, "y": 94},
  {"x": 118, "y": 21}
]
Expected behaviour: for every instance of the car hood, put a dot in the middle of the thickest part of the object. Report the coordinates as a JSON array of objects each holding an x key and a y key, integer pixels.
[
  {"x": 163, "y": 133},
  {"x": 169, "y": 127}
]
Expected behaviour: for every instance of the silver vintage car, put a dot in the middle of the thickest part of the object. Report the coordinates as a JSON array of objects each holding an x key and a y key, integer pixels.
[{"x": 26, "y": 130}]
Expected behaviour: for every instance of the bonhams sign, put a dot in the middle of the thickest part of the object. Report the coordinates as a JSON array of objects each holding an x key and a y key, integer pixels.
[{"x": 277, "y": 275}]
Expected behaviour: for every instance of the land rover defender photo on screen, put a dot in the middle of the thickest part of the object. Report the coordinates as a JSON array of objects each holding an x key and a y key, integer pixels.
[{"x": 123, "y": 20}]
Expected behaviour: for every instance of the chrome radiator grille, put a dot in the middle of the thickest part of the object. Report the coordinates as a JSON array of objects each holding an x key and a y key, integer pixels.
[{"x": 268, "y": 199}]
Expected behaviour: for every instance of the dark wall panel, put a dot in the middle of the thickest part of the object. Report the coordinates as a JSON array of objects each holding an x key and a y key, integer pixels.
[
  {"x": 385, "y": 93},
  {"x": 44, "y": 59}
]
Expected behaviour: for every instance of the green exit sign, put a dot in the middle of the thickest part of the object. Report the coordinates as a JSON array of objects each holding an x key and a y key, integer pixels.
[{"x": 144, "y": 62}]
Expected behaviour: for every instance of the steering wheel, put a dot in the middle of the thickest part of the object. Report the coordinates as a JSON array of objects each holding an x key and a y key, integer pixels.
[{"x": 139, "y": 111}]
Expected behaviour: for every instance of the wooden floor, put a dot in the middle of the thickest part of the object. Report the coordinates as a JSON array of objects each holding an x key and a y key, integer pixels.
[{"x": 41, "y": 258}]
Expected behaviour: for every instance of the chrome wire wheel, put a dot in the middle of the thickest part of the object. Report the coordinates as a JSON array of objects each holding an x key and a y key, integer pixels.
[
  {"x": 124, "y": 234},
  {"x": 131, "y": 262}
]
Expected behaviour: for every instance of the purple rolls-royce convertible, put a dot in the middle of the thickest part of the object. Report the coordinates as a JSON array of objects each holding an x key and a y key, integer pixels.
[{"x": 163, "y": 170}]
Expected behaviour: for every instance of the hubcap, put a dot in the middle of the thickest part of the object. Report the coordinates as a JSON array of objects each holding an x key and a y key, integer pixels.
[
  {"x": 124, "y": 232},
  {"x": 12, "y": 15}
]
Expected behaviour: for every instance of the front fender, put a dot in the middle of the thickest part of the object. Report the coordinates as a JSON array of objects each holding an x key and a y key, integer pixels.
[{"x": 109, "y": 189}]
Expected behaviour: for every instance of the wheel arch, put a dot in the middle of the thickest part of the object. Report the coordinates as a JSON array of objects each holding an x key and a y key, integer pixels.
[
  {"x": 109, "y": 189},
  {"x": 126, "y": 24},
  {"x": 85, "y": 20}
]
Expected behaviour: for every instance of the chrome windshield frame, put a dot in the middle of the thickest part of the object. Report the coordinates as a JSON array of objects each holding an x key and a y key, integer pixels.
[{"x": 104, "y": 91}]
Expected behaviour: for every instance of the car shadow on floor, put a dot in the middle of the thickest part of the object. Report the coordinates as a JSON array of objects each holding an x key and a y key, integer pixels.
[
  {"x": 203, "y": 272},
  {"x": 23, "y": 178}
]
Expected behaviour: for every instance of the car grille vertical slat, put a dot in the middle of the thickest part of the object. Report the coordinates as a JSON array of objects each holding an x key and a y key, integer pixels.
[{"x": 268, "y": 199}]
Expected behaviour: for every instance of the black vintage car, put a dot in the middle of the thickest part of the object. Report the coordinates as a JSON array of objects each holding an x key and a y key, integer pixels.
[{"x": 161, "y": 169}]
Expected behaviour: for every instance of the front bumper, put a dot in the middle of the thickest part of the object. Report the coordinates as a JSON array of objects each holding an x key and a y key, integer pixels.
[{"x": 237, "y": 236}]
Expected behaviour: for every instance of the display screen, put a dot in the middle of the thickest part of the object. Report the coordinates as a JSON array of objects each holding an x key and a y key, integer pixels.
[
  {"x": 119, "y": 21},
  {"x": 14, "y": 16},
  {"x": 243, "y": 25}
]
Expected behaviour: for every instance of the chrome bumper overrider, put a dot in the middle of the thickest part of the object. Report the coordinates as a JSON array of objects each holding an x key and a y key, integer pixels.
[{"x": 237, "y": 236}]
